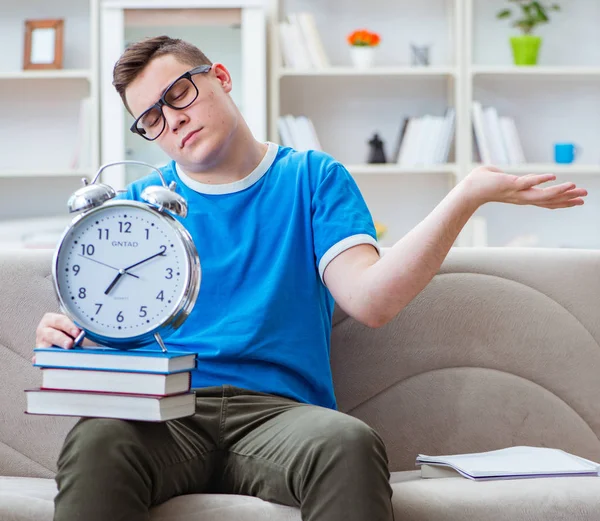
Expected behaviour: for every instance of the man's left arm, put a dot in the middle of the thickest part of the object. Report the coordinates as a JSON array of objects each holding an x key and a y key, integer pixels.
[{"x": 373, "y": 290}]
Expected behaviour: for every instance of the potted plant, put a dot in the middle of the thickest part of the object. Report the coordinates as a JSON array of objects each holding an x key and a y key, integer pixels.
[
  {"x": 526, "y": 47},
  {"x": 362, "y": 47}
]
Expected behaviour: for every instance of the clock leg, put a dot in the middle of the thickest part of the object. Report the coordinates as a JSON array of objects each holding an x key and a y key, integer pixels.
[
  {"x": 160, "y": 342},
  {"x": 79, "y": 339}
]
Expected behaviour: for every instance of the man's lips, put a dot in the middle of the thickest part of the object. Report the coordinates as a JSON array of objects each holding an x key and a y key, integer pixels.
[{"x": 189, "y": 136}]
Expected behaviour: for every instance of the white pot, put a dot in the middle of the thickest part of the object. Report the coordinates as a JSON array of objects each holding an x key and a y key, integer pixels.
[{"x": 363, "y": 57}]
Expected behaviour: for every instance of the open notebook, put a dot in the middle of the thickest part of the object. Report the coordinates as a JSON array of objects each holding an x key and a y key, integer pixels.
[{"x": 509, "y": 463}]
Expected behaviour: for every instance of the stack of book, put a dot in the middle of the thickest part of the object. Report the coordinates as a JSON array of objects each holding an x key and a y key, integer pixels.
[
  {"x": 497, "y": 138},
  {"x": 425, "y": 140},
  {"x": 509, "y": 463},
  {"x": 138, "y": 384}
]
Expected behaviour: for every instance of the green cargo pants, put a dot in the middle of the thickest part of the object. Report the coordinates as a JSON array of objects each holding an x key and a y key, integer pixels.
[{"x": 331, "y": 465}]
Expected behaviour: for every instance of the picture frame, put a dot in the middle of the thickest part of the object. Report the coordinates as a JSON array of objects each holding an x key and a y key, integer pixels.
[{"x": 43, "y": 44}]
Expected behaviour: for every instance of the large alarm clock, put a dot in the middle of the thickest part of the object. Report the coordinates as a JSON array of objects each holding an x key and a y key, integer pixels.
[{"x": 127, "y": 273}]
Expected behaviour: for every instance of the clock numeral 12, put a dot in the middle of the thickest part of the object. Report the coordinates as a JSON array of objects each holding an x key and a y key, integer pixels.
[{"x": 124, "y": 227}]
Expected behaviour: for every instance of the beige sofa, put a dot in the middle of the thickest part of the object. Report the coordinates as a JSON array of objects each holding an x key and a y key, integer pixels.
[{"x": 500, "y": 349}]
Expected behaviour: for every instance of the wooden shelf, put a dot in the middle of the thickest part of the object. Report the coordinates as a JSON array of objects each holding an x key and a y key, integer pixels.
[
  {"x": 395, "y": 169},
  {"x": 62, "y": 74},
  {"x": 374, "y": 71}
]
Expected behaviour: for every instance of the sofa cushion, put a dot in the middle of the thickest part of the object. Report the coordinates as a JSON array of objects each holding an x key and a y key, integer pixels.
[
  {"x": 31, "y": 499},
  {"x": 460, "y": 499},
  {"x": 415, "y": 499}
]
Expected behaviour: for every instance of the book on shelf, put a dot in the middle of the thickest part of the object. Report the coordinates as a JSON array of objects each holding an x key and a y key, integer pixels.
[
  {"x": 496, "y": 137},
  {"x": 138, "y": 407},
  {"x": 301, "y": 43},
  {"x": 510, "y": 463},
  {"x": 115, "y": 381},
  {"x": 425, "y": 140},
  {"x": 298, "y": 132},
  {"x": 135, "y": 360}
]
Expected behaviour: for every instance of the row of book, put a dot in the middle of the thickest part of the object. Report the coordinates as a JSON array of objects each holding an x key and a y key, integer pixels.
[
  {"x": 298, "y": 132},
  {"x": 301, "y": 43},
  {"x": 425, "y": 140},
  {"x": 140, "y": 384},
  {"x": 496, "y": 136}
]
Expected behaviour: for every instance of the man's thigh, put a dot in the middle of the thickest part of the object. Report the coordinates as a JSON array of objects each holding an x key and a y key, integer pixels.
[{"x": 277, "y": 459}]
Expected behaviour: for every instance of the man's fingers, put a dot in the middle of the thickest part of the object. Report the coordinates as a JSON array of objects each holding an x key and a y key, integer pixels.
[
  {"x": 565, "y": 204},
  {"x": 53, "y": 337},
  {"x": 529, "y": 180}
]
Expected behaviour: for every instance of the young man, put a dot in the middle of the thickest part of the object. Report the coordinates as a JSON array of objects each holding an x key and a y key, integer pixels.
[{"x": 281, "y": 234}]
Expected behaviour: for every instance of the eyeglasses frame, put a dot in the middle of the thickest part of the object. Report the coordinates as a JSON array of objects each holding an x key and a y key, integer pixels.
[{"x": 201, "y": 69}]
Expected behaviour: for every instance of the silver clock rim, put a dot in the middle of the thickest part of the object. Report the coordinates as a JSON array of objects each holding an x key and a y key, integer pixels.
[{"x": 186, "y": 302}]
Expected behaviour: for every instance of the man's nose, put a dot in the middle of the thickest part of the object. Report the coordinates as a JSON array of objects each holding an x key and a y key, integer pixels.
[{"x": 175, "y": 118}]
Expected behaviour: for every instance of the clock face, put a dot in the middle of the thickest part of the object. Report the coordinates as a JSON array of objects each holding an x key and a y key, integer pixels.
[{"x": 122, "y": 270}]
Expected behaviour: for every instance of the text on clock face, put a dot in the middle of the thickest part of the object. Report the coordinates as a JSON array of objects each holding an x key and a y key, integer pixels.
[{"x": 122, "y": 271}]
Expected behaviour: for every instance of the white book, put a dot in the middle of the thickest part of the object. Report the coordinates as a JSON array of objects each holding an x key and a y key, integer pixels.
[
  {"x": 447, "y": 137},
  {"x": 285, "y": 134},
  {"x": 497, "y": 145},
  {"x": 115, "y": 381},
  {"x": 301, "y": 55},
  {"x": 407, "y": 154},
  {"x": 426, "y": 136},
  {"x": 107, "y": 405},
  {"x": 308, "y": 27},
  {"x": 511, "y": 137},
  {"x": 287, "y": 45},
  {"x": 290, "y": 121},
  {"x": 480, "y": 133},
  {"x": 509, "y": 463},
  {"x": 315, "y": 136}
]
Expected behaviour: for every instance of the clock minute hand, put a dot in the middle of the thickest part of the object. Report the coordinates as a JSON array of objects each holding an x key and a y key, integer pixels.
[
  {"x": 161, "y": 252},
  {"x": 104, "y": 264}
]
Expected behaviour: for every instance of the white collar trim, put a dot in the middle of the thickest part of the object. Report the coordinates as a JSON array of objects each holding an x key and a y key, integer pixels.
[{"x": 236, "y": 186}]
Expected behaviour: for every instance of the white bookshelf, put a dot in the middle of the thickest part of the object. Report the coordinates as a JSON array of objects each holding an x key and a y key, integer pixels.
[
  {"x": 374, "y": 71},
  {"x": 471, "y": 60},
  {"x": 348, "y": 105},
  {"x": 40, "y": 121}
]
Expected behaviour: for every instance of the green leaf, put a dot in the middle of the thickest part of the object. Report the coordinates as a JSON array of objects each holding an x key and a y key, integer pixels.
[
  {"x": 505, "y": 13},
  {"x": 555, "y": 7},
  {"x": 540, "y": 12}
]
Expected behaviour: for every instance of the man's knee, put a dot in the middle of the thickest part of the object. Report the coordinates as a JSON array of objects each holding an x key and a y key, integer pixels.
[{"x": 346, "y": 435}]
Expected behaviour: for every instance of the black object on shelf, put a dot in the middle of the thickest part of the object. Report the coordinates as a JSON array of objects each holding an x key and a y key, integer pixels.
[{"x": 376, "y": 152}]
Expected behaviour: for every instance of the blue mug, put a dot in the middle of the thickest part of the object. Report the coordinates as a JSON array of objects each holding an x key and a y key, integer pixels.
[{"x": 565, "y": 152}]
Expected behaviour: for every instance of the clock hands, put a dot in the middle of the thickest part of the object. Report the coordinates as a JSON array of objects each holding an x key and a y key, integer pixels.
[
  {"x": 107, "y": 265},
  {"x": 161, "y": 252},
  {"x": 125, "y": 271}
]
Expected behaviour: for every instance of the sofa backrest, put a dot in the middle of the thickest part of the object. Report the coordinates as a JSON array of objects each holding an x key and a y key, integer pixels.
[{"x": 500, "y": 349}]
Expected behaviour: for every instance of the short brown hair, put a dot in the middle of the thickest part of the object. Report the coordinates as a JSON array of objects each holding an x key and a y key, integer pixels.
[{"x": 139, "y": 54}]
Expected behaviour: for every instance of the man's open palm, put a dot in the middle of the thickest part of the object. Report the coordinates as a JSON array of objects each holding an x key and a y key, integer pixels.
[{"x": 490, "y": 184}]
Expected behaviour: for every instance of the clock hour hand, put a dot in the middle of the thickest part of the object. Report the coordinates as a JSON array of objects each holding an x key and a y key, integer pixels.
[
  {"x": 115, "y": 280},
  {"x": 161, "y": 252},
  {"x": 104, "y": 264}
]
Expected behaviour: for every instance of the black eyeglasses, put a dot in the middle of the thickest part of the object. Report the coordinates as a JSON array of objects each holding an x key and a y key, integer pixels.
[{"x": 179, "y": 95}]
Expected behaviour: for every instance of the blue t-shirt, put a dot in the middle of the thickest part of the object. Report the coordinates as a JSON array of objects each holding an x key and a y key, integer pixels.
[{"x": 262, "y": 320}]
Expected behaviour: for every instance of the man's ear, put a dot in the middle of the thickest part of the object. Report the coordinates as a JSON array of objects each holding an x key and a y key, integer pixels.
[{"x": 222, "y": 74}]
